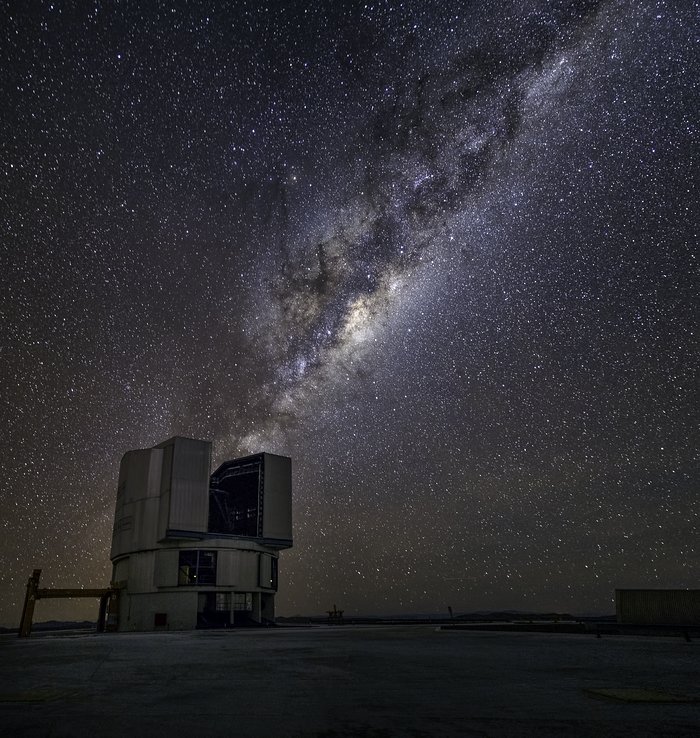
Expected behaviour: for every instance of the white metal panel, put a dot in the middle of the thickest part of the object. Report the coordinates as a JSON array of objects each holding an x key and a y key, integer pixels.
[
  {"x": 166, "y": 568},
  {"x": 155, "y": 469},
  {"x": 120, "y": 571},
  {"x": 137, "y": 499},
  {"x": 227, "y": 568},
  {"x": 277, "y": 504},
  {"x": 140, "y": 577},
  {"x": 265, "y": 571},
  {"x": 185, "y": 486},
  {"x": 140, "y": 609},
  {"x": 145, "y": 531},
  {"x": 122, "y": 532},
  {"x": 189, "y": 505},
  {"x": 165, "y": 485},
  {"x": 192, "y": 459},
  {"x": 141, "y": 474},
  {"x": 248, "y": 576}
]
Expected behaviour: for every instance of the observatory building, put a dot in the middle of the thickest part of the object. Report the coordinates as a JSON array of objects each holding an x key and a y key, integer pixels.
[{"x": 192, "y": 549}]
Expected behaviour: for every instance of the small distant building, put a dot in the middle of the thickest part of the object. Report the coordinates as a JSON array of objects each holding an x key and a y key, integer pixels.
[
  {"x": 191, "y": 549},
  {"x": 658, "y": 606}
]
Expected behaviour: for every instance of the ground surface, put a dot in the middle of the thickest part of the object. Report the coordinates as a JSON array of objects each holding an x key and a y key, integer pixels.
[{"x": 341, "y": 682}]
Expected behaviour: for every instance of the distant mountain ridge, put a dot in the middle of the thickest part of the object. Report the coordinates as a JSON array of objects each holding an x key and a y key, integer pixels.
[
  {"x": 57, "y": 625},
  {"x": 475, "y": 616}
]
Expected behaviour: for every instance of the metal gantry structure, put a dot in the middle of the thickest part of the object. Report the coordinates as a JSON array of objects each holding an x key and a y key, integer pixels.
[{"x": 108, "y": 602}]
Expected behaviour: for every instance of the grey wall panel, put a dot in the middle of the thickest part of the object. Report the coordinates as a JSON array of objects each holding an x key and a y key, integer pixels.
[
  {"x": 137, "y": 499},
  {"x": 140, "y": 577},
  {"x": 120, "y": 571},
  {"x": 155, "y": 469},
  {"x": 139, "y": 474},
  {"x": 277, "y": 503},
  {"x": 179, "y": 607},
  {"x": 145, "y": 523},
  {"x": 122, "y": 533},
  {"x": 185, "y": 489},
  {"x": 166, "y": 481},
  {"x": 133, "y": 474},
  {"x": 192, "y": 459},
  {"x": 228, "y": 566},
  {"x": 248, "y": 575},
  {"x": 264, "y": 570},
  {"x": 166, "y": 568},
  {"x": 189, "y": 505}
]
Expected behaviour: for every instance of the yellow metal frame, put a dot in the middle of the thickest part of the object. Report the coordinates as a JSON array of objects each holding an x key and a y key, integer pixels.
[{"x": 108, "y": 600}]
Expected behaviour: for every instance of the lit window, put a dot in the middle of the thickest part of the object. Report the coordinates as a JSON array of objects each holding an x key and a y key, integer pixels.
[{"x": 197, "y": 567}]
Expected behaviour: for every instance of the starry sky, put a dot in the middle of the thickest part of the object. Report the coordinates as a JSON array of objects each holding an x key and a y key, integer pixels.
[{"x": 439, "y": 253}]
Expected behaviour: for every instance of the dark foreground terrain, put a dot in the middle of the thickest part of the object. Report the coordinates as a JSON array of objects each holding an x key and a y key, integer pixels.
[{"x": 338, "y": 682}]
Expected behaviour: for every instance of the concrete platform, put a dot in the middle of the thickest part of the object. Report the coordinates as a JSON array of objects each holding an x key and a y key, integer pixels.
[{"x": 342, "y": 682}]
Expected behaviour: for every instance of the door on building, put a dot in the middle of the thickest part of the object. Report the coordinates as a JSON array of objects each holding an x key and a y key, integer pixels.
[
  {"x": 214, "y": 610},
  {"x": 243, "y": 608}
]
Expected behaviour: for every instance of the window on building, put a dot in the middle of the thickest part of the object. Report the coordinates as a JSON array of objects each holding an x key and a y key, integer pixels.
[
  {"x": 197, "y": 567},
  {"x": 242, "y": 601}
]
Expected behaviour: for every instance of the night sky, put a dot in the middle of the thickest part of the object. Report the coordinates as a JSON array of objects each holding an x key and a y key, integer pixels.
[{"x": 442, "y": 254}]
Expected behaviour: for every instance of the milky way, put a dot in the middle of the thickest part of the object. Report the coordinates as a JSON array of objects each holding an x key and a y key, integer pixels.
[
  {"x": 441, "y": 254},
  {"x": 431, "y": 149}
]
